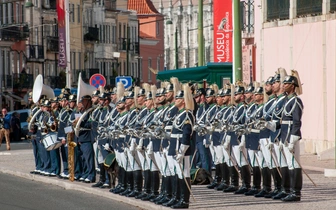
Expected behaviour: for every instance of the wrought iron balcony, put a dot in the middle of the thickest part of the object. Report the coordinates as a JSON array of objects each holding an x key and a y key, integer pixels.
[
  {"x": 133, "y": 47},
  {"x": 22, "y": 80},
  {"x": 35, "y": 53},
  {"x": 277, "y": 10},
  {"x": 14, "y": 32},
  {"x": 52, "y": 43},
  {"x": 92, "y": 34}
]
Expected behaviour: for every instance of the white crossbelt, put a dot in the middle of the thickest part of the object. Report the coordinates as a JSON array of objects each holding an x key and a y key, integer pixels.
[
  {"x": 287, "y": 122},
  {"x": 176, "y": 136}
]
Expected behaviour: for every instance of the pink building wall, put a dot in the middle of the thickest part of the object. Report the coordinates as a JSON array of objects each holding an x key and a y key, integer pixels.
[{"x": 309, "y": 48}]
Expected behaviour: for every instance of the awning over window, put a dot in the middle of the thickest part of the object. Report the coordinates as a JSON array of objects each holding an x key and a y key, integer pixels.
[{"x": 212, "y": 73}]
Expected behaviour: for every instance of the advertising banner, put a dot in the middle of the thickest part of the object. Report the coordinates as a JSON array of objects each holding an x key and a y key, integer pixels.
[
  {"x": 62, "y": 59},
  {"x": 223, "y": 34}
]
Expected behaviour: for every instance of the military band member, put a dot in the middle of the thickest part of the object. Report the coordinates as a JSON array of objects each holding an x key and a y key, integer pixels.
[
  {"x": 55, "y": 157},
  {"x": 85, "y": 140},
  {"x": 63, "y": 119},
  {"x": 291, "y": 133},
  {"x": 181, "y": 142},
  {"x": 96, "y": 104}
]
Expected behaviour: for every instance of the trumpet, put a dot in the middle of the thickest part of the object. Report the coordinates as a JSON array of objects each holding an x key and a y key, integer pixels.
[
  {"x": 201, "y": 129},
  {"x": 260, "y": 124}
]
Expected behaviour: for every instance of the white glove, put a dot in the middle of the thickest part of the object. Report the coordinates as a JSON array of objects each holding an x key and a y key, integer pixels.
[
  {"x": 281, "y": 146},
  {"x": 270, "y": 145},
  {"x": 179, "y": 158},
  {"x": 132, "y": 147},
  {"x": 293, "y": 140},
  {"x": 227, "y": 142},
  {"x": 182, "y": 150},
  {"x": 150, "y": 148},
  {"x": 106, "y": 146},
  {"x": 271, "y": 126},
  {"x": 242, "y": 144},
  {"x": 139, "y": 147},
  {"x": 205, "y": 143}
]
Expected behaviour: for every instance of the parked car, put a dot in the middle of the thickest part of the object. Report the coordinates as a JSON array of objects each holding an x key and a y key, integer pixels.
[{"x": 24, "y": 114}]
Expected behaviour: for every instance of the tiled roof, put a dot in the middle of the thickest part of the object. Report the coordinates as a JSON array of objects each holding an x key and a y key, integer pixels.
[{"x": 143, "y": 7}]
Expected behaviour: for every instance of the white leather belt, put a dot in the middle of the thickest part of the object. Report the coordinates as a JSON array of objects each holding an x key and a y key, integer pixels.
[
  {"x": 122, "y": 136},
  {"x": 176, "y": 136},
  {"x": 218, "y": 130},
  {"x": 255, "y": 131},
  {"x": 287, "y": 122},
  {"x": 168, "y": 127}
]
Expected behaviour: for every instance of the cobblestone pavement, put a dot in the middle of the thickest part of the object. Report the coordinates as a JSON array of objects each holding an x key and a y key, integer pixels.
[{"x": 20, "y": 162}]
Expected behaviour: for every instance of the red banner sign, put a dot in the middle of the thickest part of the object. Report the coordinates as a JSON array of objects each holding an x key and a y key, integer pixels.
[
  {"x": 223, "y": 33},
  {"x": 62, "y": 60}
]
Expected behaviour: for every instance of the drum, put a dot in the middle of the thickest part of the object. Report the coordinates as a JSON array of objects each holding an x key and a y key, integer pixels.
[{"x": 50, "y": 141}]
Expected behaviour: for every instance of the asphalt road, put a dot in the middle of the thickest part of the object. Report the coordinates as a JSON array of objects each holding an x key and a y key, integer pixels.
[
  {"x": 24, "y": 144},
  {"x": 18, "y": 193}
]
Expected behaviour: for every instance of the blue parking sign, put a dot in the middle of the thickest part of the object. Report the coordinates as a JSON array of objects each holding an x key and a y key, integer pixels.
[{"x": 126, "y": 80}]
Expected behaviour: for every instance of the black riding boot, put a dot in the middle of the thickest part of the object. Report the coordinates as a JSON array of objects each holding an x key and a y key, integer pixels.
[
  {"x": 155, "y": 183},
  {"x": 217, "y": 178},
  {"x": 121, "y": 181},
  {"x": 146, "y": 187},
  {"x": 185, "y": 194},
  {"x": 277, "y": 183},
  {"x": 256, "y": 182},
  {"x": 234, "y": 180},
  {"x": 168, "y": 191},
  {"x": 129, "y": 183},
  {"x": 175, "y": 192},
  {"x": 162, "y": 190},
  {"x": 225, "y": 174},
  {"x": 296, "y": 186},
  {"x": 246, "y": 180},
  {"x": 137, "y": 175},
  {"x": 285, "y": 184},
  {"x": 102, "y": 177},
  {"x": 267, "y": 183}
]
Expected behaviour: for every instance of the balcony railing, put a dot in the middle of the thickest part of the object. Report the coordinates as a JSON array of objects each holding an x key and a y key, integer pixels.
[
  {"x": 308, "y": 7},
  {"x": 332, "y": 6},
  {"x": 22, "y": 80},
  {"x": 277, "y": 10},
  {"x": 247, "y": 12},
  {"x": 133, "y": 47},
  {"x": 52, "y": 43},
  {"x": 92, "y": 34},
  {"x": 35, "y": 52},
  {"x": 111, "y": 5},
  {"x": 14, "y": 32}
]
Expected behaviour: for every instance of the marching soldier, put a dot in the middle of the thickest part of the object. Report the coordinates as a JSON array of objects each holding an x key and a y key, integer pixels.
[
  {"x": 181, "y": 142},
  {"x": 55, "y": 157},
  {"x": 265, "y": 114},
  {"x": 102, "y": 139},
  {"x": 291, "y": 133},
  {"x": 252, "y": 139},
  {"x": 147, "y": 162},
  {"x": 202, "y": 151},
  {"x": 238, "y": 142},
  {"x": 279, "y": 166}
]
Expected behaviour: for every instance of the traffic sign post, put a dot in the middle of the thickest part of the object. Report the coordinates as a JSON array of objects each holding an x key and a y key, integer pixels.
[
  {"x": 97, "y": 80},
  {"x": 126, "y": 80}
]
